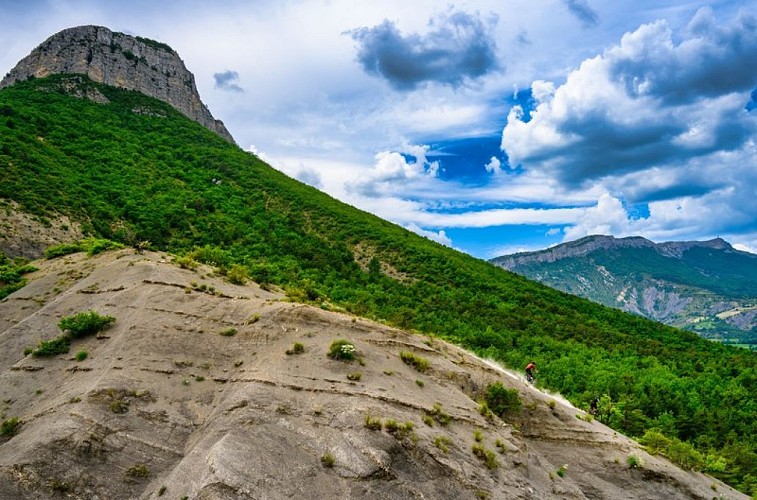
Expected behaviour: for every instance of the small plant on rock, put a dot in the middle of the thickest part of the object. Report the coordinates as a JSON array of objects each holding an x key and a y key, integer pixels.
[
  {"x": 485, "y": 455},
  {"x": 229, "y": 332},
  {"x": 328, "y": 460},
  {"x": 355, "y": 377},
  {"x": 10, "y": 427},
  {"x": 137, "y": 471},
  {"x": 634, "y": 462},
  {"x": 438, "y": 414},
  {"x": 81, "y": 355},
  {"x": 342, "y": 350},
  {"x": 421, "y": 364},
  {"x": 443, "y": 443},
  {"x": 373, "y": 424},
  {"x": 297, "y": 348}
]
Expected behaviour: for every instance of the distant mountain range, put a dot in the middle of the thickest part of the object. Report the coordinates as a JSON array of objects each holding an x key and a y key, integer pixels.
[{"x": 704, "y": 286}]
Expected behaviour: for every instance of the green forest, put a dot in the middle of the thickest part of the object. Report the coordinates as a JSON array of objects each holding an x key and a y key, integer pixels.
[{"x": 134, "y": 170}]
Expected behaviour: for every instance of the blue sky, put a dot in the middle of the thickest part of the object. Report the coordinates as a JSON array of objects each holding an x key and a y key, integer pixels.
[{"x": 489, "y": 126}]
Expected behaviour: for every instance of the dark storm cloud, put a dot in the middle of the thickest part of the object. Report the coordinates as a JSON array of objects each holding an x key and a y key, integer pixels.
[
  {"x": 459, "y": 46},
  {"x": 228, "y": 80},
  {"x": 582, "y": 11}
]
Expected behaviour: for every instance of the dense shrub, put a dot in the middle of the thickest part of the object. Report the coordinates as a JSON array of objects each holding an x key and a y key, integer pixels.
[
  {"x": 501, "y": 400},
  {"x": 85, "y": 323},
  {"x": 11, "y": 275},
  {"x": 58, "y": 345},
  {"x": 63, "y": 249}
]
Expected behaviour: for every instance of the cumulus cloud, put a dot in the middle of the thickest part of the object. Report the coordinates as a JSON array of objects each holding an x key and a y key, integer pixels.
[
  {"x": 645, "y": 103},
  {"x": 227, "y": 80},
  {"x": 607, "y": 217},
  {"x": 459, "y": 46},
  {"x": 582, "y": 11},
  {"x": 438, "y": 236},
  {"x": 393, "y": 170},
  {"x": 494, "y": 166}
]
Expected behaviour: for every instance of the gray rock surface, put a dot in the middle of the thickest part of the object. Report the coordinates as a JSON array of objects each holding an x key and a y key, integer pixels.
[
  {"x": 120, "y": 60},
  {"x": 166, "y": 406}
]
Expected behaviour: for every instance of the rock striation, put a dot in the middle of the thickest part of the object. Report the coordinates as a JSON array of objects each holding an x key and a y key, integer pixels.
[{"x": 120, "y": 60}]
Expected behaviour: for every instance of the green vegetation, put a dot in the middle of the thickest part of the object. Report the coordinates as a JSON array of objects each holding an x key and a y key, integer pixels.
[
  {"x": 85, "y": 323},
  {"x": 138, "y": 471},
  {"x": 10, "y": 427},
  {"x": 373, "y": 424},
  {"x": 131, "y": 177},
  {"x": 76, "y": 326},
  {"x": 485, "y": 455},
  {"x": 501, "y": 400},
  {"x": 92, "y": 246},
  {"x": 418, "y": 362},
  {"x": 436, "y": 413},
  {"x": 443, "y": 443},
  {"x": 328, "y": 460},
  {"x": 228, "y": 332},
  {"x": 634, "y": 462},
  {"x": 297, "y": 348},
  {"x": 398, "y": 430},
  {"x": 11, "y": 274},
  {"x": 342, "y": 350},
  {"x": 704, "y": 277},
  {"x": 562, "y": 470},
  {"x": 58, "y": 345}
]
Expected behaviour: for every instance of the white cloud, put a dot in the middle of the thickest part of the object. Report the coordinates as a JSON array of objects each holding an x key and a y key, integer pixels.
[
  {"x": 494, "y": 166},
  {"x": 438, "y": 236},
  {"x": 649, "y": 101},
  {"x": 607, "y": 217}
]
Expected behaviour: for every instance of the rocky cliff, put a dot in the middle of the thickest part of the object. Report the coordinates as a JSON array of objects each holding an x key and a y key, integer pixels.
[{"x": 120, "y": 60}]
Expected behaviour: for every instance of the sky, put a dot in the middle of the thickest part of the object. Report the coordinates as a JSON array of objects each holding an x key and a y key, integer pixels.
[{"x": 488, "y": 126}]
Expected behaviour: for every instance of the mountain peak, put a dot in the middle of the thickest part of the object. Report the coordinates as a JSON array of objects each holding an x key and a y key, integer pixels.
[{"x": 133, "y": 63}]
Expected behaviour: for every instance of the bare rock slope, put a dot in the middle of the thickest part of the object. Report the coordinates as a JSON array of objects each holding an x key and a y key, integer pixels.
[
  {"x": 191, "y": 393},
  {"x": 120, "y": 60}
]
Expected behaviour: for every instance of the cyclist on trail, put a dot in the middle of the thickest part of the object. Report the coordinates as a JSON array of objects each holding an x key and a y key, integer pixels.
[{"x": 530, "y": 369}]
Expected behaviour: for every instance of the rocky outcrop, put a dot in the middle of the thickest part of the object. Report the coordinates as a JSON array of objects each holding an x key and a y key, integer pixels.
[
  {"x": 197, "y": 392},
  {"x": 576, "y": 248},
  {"x": 120, "y": 60}
]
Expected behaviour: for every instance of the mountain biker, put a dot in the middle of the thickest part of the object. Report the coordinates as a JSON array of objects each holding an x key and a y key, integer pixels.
[
  {"x": 530, "y": 369},
  {"x": 593, "y": 405}
]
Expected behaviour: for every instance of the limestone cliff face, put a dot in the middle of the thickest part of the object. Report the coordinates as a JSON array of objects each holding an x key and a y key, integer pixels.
[{"x": 119, "y": 60}]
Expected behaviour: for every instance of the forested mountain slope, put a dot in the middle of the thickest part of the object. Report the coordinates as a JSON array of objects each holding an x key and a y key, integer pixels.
[{"x": 132, "y": 169}]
